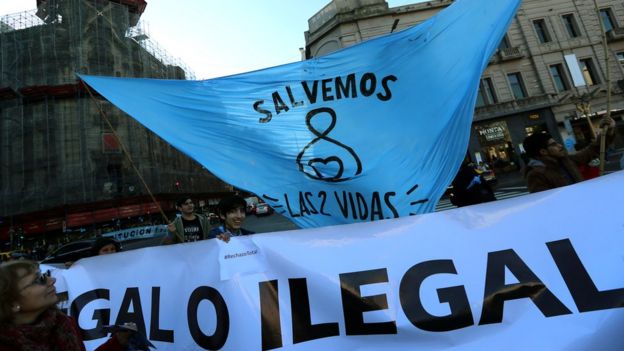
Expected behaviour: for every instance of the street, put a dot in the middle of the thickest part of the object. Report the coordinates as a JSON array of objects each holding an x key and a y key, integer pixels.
[{"x": 271, "y": 223}]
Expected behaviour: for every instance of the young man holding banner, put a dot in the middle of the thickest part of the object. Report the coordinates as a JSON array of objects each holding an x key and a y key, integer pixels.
[
  {"x": 551, "y": 167},
  {"x": 188, "y": 227},
  {"x": 232, "y": 214}
]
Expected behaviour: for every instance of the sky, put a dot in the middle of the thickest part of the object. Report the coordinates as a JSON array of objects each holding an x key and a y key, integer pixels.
[{"x": 217, "y": 38}]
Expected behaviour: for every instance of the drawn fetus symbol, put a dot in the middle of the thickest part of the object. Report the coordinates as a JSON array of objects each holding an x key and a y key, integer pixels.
[{"x": 329, "y": 168}]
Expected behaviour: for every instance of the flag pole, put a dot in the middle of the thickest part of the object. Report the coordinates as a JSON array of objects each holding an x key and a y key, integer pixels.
[
  {"x": 603, "y": 135},
  {"x": 125, "y": 152},
  {"x": 584, "y": 107}
]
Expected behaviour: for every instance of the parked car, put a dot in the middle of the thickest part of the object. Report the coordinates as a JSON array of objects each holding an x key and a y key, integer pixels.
[
  {"x": 70, "y": 252},
  {"x": 262, "y": 209}
]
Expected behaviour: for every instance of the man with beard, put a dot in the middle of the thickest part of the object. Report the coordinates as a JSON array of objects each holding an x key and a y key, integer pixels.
[{"x": 551, "y": 167}]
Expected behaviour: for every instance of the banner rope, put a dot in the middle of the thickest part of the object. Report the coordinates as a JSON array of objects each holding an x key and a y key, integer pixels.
[{"x": 125, "y": 151}]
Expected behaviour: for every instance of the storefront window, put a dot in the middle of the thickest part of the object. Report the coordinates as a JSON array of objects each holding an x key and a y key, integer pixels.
[
  {"x": 535, "y": 129},
  {"x": 497, "y": 146}
]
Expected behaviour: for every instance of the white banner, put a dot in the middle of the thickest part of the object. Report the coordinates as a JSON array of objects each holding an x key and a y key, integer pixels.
[
  {"x": 138, "y": 233},
  {"x": 539, "y": 272}
]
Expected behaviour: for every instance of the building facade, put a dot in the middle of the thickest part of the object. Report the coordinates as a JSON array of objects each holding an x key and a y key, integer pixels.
[
  {"x": 549, "y": 73},
  {"x": 60, "y": 164}
]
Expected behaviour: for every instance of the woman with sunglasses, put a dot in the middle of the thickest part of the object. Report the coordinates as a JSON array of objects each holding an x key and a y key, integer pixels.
[{"x": 29, "y": 319}]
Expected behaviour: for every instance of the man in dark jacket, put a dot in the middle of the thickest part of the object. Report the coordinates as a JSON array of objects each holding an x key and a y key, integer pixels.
[{"x": 551, "y": 167}]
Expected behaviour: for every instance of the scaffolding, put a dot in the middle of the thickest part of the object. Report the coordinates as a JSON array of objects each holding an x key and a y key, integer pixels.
[
  {"x": 19, "y": 21},
  {"x": 140, "y": 34},
  {"x": 54, "y": 148}
]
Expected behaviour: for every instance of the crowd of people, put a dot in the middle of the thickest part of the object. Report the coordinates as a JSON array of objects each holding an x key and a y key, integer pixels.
[
  {"x": 30, "y": 320},
  {"x": 548, "y": 166}
]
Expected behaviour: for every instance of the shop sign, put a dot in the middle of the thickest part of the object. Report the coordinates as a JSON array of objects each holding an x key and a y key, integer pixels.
[
  {"x": 150, "y": 208},
  {"x": 54, "y": 223},
  {"x": 130, "y": 211},
  {"x": 492, "y": 133},
  {"x": 34, "y": 227},
  {"x": 105, "y": 215},
  {"x": 78, "y": 219}
]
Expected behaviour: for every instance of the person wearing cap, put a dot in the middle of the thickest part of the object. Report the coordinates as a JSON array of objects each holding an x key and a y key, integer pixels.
[
  {"x": 189, "y": 226},
  {"x": 549, "y": 164},
  {"x": 232, "y": 213}
]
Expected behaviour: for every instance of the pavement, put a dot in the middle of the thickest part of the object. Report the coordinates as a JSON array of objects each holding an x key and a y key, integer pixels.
[{"x": 514, "y": 179}]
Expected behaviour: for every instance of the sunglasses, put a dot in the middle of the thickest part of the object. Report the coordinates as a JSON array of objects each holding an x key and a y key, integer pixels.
[{"x": 40, "y": 279}]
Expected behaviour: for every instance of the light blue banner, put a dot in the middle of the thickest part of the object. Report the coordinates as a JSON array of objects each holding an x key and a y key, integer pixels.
[
  {"x": 371, "y": 132},
  {"x": 136, "y": 233}
]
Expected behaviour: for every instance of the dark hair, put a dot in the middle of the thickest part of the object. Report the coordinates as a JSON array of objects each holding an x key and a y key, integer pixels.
[
  {"x": 10, "y": 275},
  {"x": 182, "y": 200},
  {"x": 230, "y": 203},
  {"x": 100, "y": 242},
  {"x": 536, "y": 142}
]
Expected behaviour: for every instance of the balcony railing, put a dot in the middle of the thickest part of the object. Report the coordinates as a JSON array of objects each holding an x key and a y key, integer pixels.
[
  {"x": 514, "y": 106},
  {"x": 512, "y": 53},
  {"x": 615, "y": 34}
]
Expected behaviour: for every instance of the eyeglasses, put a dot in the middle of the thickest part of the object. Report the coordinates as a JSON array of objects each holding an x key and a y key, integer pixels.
[{"x": 40, "y": 279}]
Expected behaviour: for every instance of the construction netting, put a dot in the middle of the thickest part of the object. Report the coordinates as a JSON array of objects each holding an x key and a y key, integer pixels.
[{"x": 55, "y": 148}]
